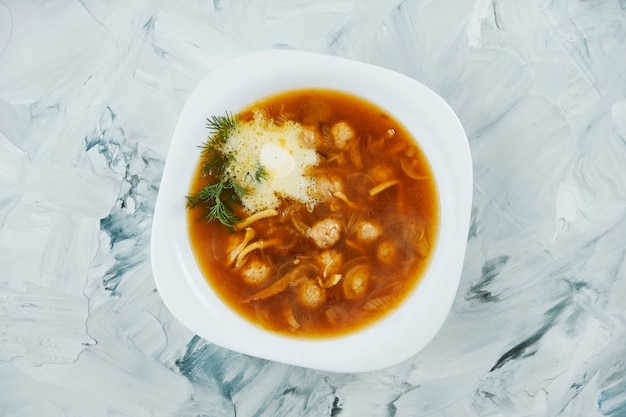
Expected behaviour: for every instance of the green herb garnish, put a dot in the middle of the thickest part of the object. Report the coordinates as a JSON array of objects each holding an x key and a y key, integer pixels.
[
  {"x": 260, "y": 173},
  {"x": 215, "y": 163},
  {"x": 210, "y": 196},
  {"x": 220, "y": 129}
]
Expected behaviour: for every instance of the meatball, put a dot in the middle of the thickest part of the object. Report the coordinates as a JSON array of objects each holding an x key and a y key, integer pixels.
[
  {"x": 255, "y": 272},
  {"x": 310, "y": 294},
  {"x": 330, "y": 262},
  {"x": 342, "y": 133},
  {"x": 367, "y": 231},
  {"x": 387, "y": 252},
  {"x": 310, "y": 137},
  {"x": 327, "y": 186},
  {"x": 325, "y": 233}
]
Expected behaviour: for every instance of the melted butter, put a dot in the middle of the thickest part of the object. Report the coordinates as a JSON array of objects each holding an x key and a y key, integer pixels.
[{"x": 278, "y": 149}]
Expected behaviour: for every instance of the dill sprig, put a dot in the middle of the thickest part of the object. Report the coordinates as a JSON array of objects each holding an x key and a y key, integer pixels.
[
  {"x": 210, "y": 196},
  {"x": 215, "y": 163},
  {"x": 260, "y": 173},
  {"x": 221, "y": 127}
]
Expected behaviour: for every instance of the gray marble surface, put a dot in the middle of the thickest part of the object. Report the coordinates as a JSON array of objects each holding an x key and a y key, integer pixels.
[{"x": 90, "y": 92}]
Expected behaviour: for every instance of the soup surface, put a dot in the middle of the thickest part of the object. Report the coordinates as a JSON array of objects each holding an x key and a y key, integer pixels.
[{"x": 326, "y": 216}]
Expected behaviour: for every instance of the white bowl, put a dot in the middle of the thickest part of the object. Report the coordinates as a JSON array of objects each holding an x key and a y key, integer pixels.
[{"x": 248, "y": 78}]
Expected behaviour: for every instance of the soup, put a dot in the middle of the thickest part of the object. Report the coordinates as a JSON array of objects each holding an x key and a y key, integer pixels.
[{"x": 313, "y": 213}]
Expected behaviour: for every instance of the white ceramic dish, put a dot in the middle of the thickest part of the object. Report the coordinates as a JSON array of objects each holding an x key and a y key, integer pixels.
[{"x": 242, "y": 81}]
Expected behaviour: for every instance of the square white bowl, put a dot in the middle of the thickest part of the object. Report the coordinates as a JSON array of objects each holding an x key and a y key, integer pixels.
[{"x": 246, "y": 79}]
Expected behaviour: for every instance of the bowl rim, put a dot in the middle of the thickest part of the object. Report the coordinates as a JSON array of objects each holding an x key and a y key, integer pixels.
[{"x": 234, "y": 85}]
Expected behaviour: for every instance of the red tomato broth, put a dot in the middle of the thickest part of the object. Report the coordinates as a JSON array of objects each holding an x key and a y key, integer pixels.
[{"x": 407, "y": 213}]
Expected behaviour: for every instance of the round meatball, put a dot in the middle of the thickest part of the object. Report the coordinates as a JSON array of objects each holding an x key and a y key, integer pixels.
[
  {"x": 387, "y": 252},
  {"x": 325, "y": 233},
  {"x": 342, "y": 133},
  {"x": 327, "y": 186},
  {"x": 310, "y": 294},
  {"x": 330, "y": 262},
  {"x": 255, "y": 272},
  {"x": 367, "y": 231},
  {"x": 310, "y": 137}
]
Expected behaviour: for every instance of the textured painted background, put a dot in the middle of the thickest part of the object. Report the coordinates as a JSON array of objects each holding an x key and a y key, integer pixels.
[{"x": 90, "y": 92}]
